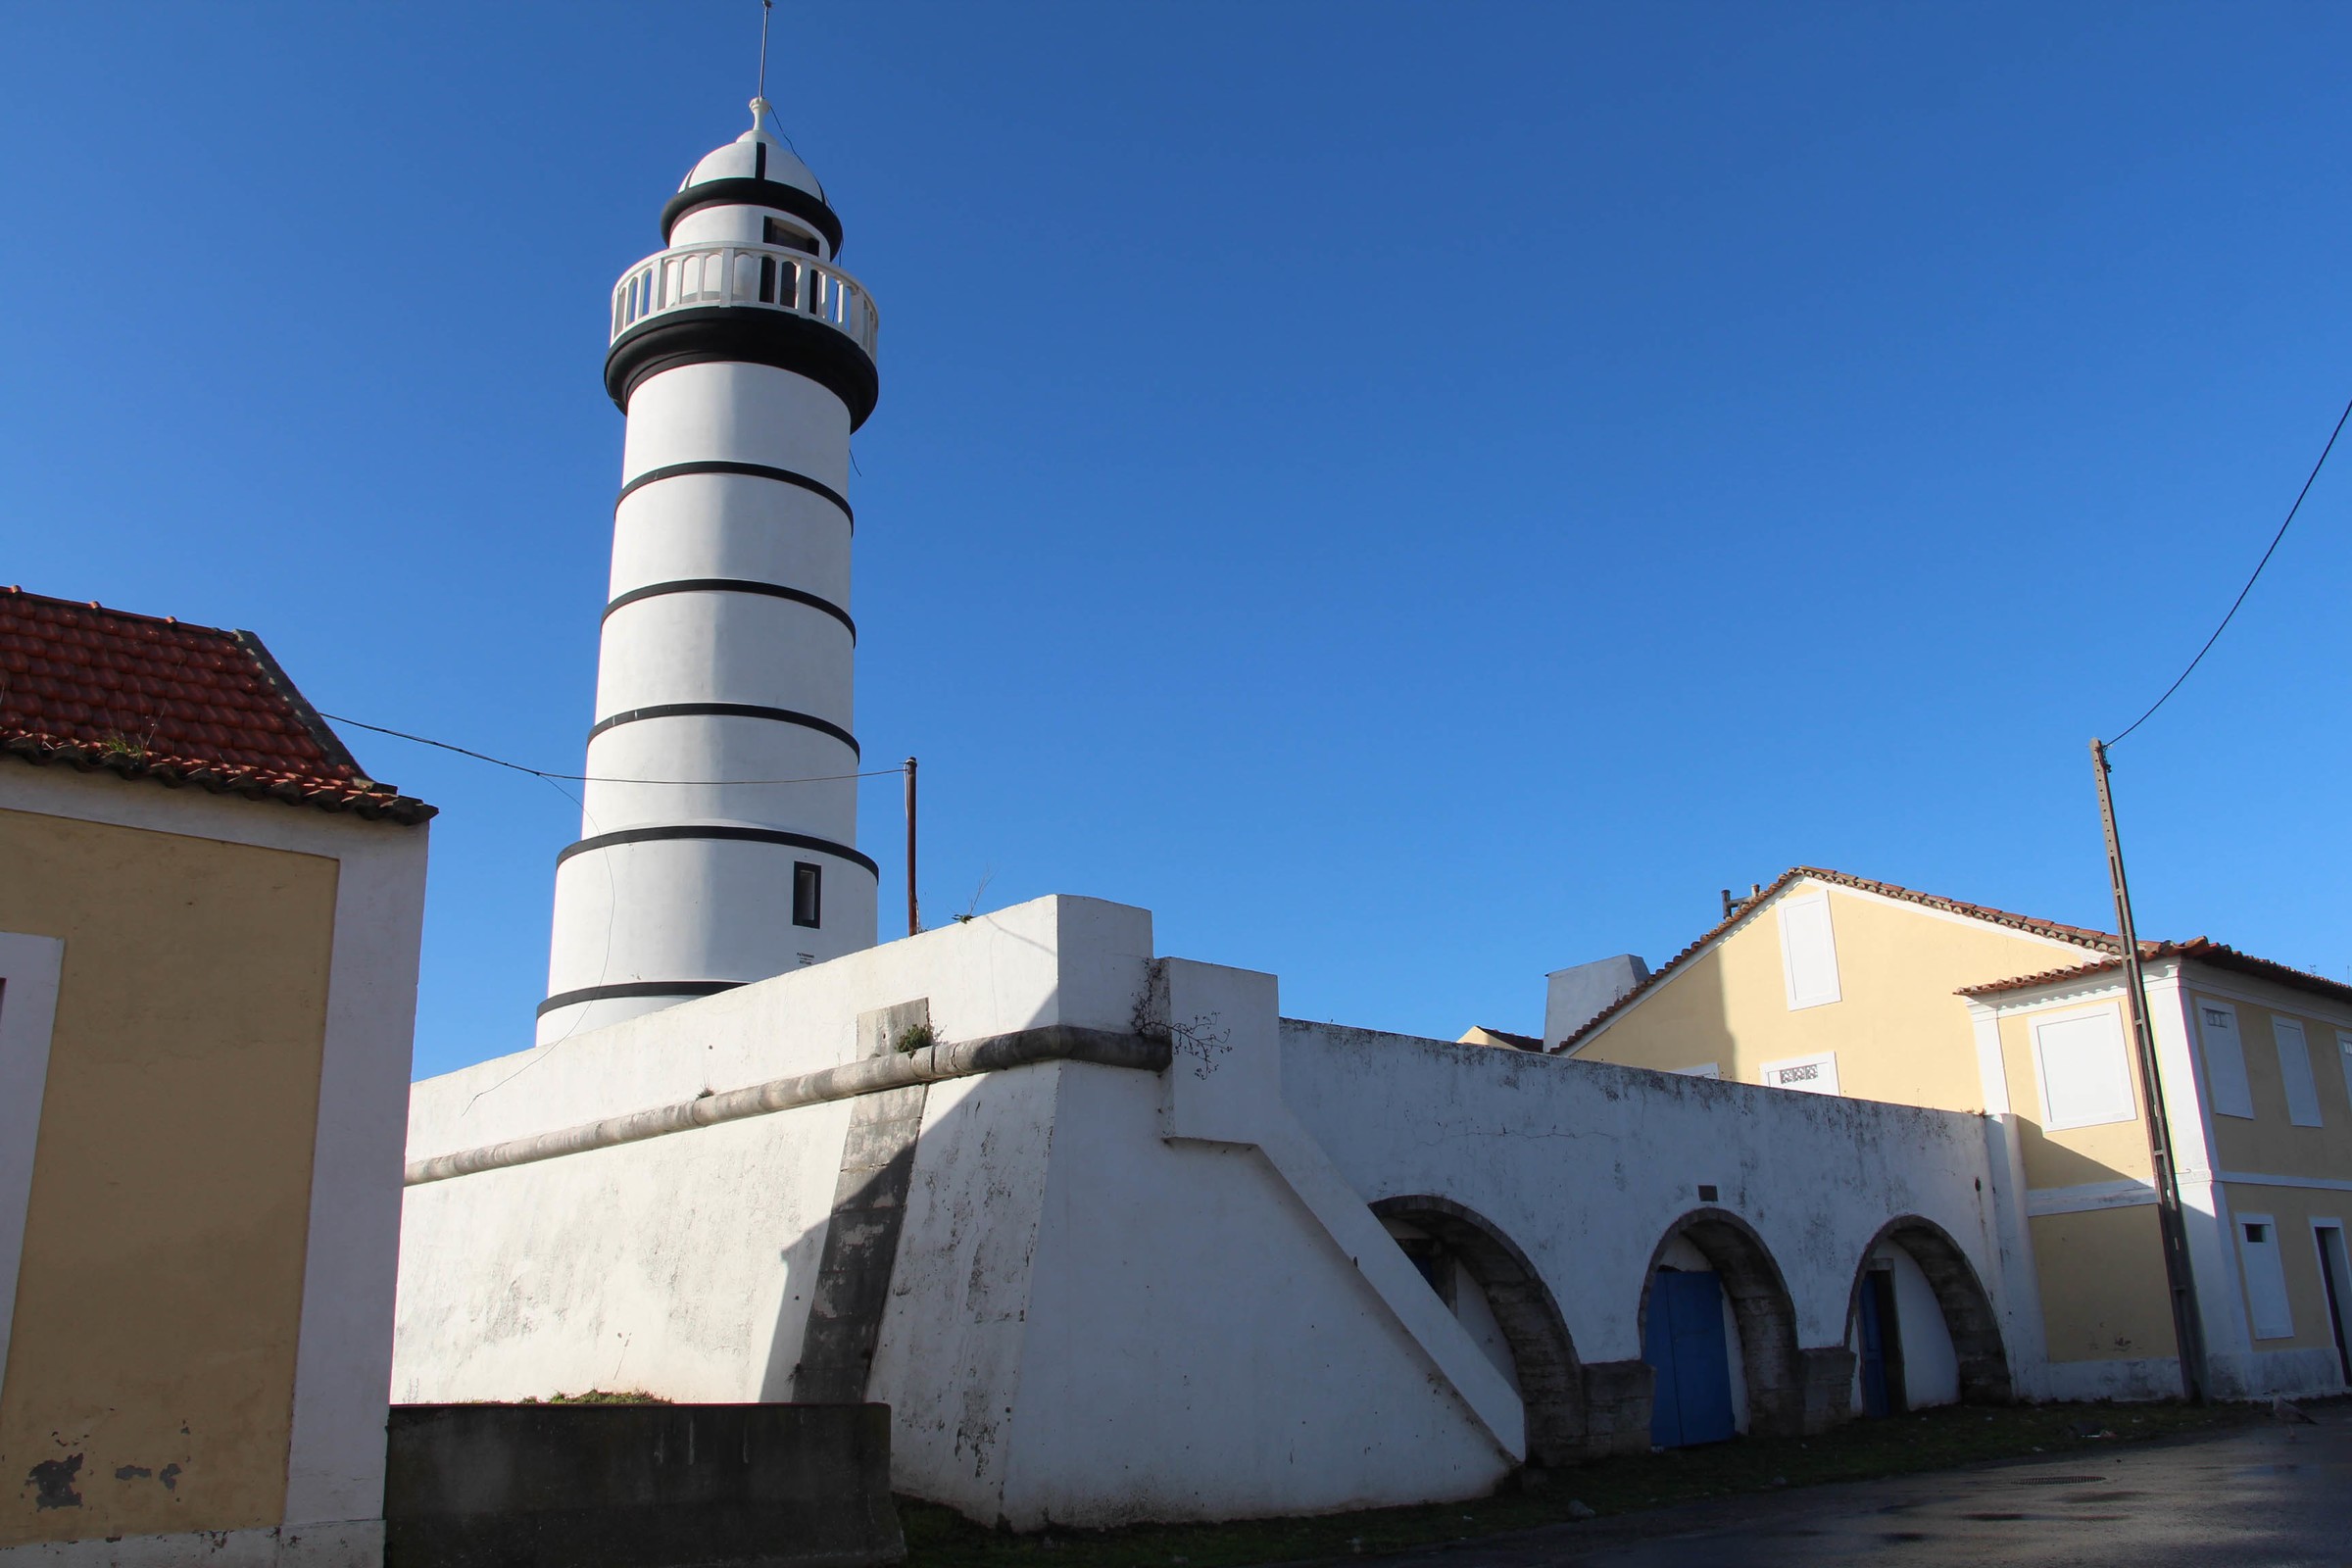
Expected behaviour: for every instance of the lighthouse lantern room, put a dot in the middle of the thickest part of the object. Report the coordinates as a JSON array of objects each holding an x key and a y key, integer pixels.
[{"x": 719, "y": 823}]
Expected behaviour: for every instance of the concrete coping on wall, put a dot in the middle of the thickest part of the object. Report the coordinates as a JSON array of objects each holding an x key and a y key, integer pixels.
[{"x": 966, "y": 1059}]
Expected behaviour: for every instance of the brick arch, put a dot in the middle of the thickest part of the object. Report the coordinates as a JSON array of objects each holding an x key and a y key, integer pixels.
[
  {"x": 1760, "y": 1304},
  {"x": 1967, "y": 1312},
  {"x": 1552, "y": 1383}
]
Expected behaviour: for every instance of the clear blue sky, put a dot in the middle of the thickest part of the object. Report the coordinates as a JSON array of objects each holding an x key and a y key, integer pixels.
[{"x": 1414, "y": 496}]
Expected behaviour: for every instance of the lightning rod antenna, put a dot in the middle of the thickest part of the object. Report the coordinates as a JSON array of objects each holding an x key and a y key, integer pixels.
[{"x": 766, "y": 6}]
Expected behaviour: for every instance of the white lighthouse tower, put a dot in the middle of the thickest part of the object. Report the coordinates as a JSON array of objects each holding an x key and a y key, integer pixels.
[{"x": 743, "y": 358}]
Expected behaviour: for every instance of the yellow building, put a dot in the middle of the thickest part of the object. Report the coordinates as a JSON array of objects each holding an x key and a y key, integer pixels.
[
  {"x": 1830, "y": 983},
  {"x": 209, "y": 927}
]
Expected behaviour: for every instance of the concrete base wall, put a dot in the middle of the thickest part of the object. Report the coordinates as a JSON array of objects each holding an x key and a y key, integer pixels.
[
  {"x": 351, "y": 1543},
  {"x": 648, "y": 1486},
  {"x": 2299, "y": 1374}
]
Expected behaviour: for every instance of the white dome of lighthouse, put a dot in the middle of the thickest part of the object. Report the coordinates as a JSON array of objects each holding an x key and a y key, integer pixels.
[{"x": 757, "y": 154}]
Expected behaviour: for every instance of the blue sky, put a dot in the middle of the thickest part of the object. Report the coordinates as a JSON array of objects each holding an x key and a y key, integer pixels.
[{"x": 1415, "y": 496}]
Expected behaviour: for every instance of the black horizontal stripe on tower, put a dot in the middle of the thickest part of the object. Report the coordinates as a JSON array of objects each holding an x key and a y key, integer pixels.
[
  {"x": 779, "y": 716},
  {"x": 744, "y": 334},
  {"x": 719, "y": 830},
  {"x": 739, "y": 192},
  {"x": 752, "y": 470},
  {"x": 638, "y": 988},
  {"x": 734, "y": 585}
]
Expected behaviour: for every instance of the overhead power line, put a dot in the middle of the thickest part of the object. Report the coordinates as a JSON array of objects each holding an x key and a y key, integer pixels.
[
  {"x": 2250, "y": 581},
  {"x": 593, "y": 779}
]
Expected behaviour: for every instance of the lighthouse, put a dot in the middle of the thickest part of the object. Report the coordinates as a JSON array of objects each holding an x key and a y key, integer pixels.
[{"x": 719, "y": 837}]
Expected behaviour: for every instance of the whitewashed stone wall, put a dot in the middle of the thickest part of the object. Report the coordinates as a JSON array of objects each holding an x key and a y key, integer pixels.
[{"x": 1122, "y": 1295}]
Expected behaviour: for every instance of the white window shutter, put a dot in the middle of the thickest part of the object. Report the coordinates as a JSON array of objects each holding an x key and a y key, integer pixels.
[
  {"x": 2266, "y": 1277},
  {"x": 2225, "y": 1059},
  {"x": 2085, "y": 1073},
  {"x": 1808, "y": 951},
  {"x": 2294, "y": 1070}
]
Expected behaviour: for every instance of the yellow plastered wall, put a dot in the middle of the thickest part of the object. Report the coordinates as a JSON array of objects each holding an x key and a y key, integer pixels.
[
  {"x": 1900, "y": 1030},
  {"x": 2071, "y": 1157},
  {"x": 160, "y": 1296},
  {"x": 2270, "y": 1144},
  {"x": 2111, "y": 1302},
  {"x": 2293, "y": 1210}
]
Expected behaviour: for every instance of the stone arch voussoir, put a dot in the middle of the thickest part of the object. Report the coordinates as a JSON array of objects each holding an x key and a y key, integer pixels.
[
  {"x": 1552, "y": 1383},
  {"x": 1761, "y": 1305},
  {"x": 1968, "y": 1311}
]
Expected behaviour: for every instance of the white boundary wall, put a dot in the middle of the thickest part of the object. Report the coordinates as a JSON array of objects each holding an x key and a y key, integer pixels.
[{"x": 1122, "y": 1295}]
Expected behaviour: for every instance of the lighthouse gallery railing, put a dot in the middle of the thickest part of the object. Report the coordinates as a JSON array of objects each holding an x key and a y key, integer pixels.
[{"x": 755, "y": 275}]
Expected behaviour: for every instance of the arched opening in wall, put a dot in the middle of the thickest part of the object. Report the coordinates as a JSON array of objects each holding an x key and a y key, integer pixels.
[
  {"x": 1508, "y": 1310},
  {"x": 1718, "y": 1332},
  {"x": 1920, "y": 1325}
]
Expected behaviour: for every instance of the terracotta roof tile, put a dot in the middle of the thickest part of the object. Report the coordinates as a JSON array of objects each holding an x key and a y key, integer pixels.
[
  {"x": 147, "y": 698},
  {"x": 2203, "y": 949}
]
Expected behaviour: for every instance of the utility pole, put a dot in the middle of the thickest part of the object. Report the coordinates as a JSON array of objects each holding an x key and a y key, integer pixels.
[
  {"x": 914, "y": 918},
  {"x": 2187, "y": 1331}
]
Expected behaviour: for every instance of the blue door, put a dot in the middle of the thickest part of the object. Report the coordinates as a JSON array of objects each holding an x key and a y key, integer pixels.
[
  {"x": 1881, "y": 1347},
  {"x": 1874, "y": 1354},
  {"x": 1683, "y": 1341}
]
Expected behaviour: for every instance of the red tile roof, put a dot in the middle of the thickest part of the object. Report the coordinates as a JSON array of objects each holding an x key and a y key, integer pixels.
[
  {"x": 146, "y": 698},
  {"x": 2203, "y": 949},
  {"x": 2083, "y": 936}
]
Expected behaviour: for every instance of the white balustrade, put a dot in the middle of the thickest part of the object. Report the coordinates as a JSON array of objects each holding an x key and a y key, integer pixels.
[{"x": 754, "y": 276}]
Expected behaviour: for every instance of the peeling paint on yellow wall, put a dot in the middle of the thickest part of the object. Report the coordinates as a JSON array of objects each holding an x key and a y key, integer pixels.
[{"x": 150, "y": 1375}]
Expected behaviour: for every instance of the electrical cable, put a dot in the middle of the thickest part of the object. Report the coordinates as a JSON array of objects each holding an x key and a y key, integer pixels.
[
  {"x": 593, "y": 778},
  {"x": 2250, "y": 581}
]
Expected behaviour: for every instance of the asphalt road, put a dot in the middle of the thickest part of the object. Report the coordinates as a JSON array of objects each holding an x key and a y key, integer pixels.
[{"x": 2266, "y": 1496}]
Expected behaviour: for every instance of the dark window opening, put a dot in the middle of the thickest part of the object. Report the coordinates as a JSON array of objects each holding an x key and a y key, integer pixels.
[
  {"x": 786, "y": 237},
  {"x": 1706, "y": 1193},
  {"x": 2258, "y": 1233},
  {"x": 807, "y": 893},
  {"x": 1435, "y": 1266}
]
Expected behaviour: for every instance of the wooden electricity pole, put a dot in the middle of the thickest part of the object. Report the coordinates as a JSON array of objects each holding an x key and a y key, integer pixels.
[
  {"x": 2187, "y": 1330},
  {"x": 914, "y": 918}
]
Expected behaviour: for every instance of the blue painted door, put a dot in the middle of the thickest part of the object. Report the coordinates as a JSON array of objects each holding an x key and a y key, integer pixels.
[
  {"x": 1683, "y": 1341},
  {"x": 1874, "y": 1353}
]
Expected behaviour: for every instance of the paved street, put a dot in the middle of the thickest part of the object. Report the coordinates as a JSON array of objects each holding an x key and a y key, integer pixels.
[{"x": 2269, "y": 1497}]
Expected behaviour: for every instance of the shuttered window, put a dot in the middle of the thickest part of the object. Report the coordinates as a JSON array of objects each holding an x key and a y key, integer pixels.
[
  {"x": 2085, "y": 1073},
  {"x": 2225, "y": 1059},
  {"x": 2294, "y": 1070},
  {"x": 2266, "y": 1277},
  {"x": 1808, "y": 951}
]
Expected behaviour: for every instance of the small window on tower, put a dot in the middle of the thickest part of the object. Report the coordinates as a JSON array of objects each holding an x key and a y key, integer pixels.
[
  {"x": 786, "y": 236},
  {"x": 807, "y": 893}
]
